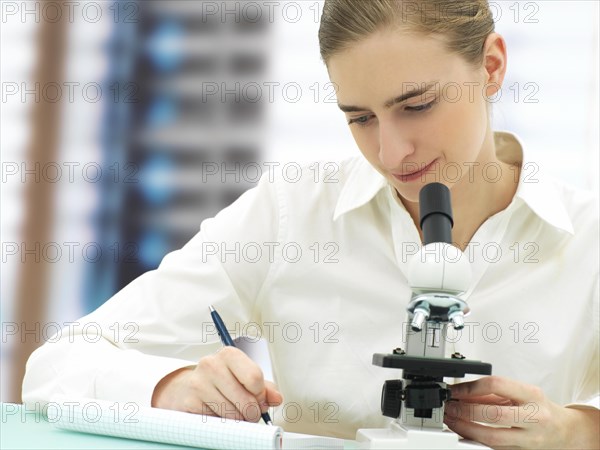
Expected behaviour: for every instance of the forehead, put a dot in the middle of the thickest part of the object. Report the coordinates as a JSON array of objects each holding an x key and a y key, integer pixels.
[{"x": 389, "y": 63}]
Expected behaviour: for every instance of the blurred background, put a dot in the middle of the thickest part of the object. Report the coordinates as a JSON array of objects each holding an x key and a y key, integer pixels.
[{"x": 124, "y": 124}]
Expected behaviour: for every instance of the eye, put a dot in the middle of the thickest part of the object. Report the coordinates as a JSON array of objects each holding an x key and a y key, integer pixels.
[
  {"x": 420, "y": 108},
  {"x": 361, "y": 121}
]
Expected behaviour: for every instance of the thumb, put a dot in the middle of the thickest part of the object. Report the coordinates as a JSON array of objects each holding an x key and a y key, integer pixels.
[{"x": 274, "y": 397}]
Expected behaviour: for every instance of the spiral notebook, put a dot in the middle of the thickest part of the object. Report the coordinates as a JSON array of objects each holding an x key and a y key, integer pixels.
[{"x": 127, "y": 420}]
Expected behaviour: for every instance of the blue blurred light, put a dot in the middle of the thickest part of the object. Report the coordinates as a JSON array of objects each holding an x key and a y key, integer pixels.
[
  {"x": 157, "y": 177},
  {"x": 164, "y": 46},
  {"x": 163, "y": 111},
  {"x": 153, "y": 247}
]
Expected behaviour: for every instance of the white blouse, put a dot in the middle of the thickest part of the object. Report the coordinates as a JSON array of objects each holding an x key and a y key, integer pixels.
[{"x": 315, "y": 263}]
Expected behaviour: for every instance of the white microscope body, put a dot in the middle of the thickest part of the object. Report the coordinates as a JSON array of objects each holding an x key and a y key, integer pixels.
[{"x": 438, "y": 274}]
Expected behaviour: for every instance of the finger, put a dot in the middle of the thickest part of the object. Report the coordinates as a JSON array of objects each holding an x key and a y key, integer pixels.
[
  {"x": 215, "y": 374},
  {"x": 500, "y": 386},
  {"x": 220, "y": 406},
  {"x": 212, "y": 403},
  {"x": 236, "y": 394},
  {"x": 247, "y": 372},
  {"x": 490, "y": 399},
  {"x": 274, "y": 397},
  {"x": 497, "y": 415},
  {"x": 497, "y": 438}
]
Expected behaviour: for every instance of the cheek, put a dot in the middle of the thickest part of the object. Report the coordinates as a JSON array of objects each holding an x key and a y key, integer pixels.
[
  {"x": 462, "y": 129},
  {"x": 367, "y": 141}
]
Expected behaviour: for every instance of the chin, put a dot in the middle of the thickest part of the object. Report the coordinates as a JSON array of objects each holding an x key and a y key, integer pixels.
[{"x": 408, "y": 191}]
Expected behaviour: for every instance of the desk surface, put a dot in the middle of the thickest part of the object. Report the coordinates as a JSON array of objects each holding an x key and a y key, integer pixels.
[{"x": 21, "y": 429}]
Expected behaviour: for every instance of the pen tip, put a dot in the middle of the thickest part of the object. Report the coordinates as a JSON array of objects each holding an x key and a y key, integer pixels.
[
  {"x": 210, "y": 308},
  {"x": 269, "y": 423}
]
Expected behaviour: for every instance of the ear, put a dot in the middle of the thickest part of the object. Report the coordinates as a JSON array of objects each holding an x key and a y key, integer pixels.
[{"x": 494, "y": 63}]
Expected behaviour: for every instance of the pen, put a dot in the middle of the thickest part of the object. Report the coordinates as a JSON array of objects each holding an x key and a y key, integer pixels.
[{"x": 228, "y": 342}]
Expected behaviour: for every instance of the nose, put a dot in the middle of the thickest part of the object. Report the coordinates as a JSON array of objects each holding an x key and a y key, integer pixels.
[{"x": 395, "y": 145}]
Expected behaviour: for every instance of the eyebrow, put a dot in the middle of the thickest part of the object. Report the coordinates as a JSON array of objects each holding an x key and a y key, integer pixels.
[{"x": 393, "y": 101}]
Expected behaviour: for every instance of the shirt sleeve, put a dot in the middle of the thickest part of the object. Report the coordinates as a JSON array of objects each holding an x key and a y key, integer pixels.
[
  {"x": 160, "y": 322},
  {"x": 590, "y": 395}
]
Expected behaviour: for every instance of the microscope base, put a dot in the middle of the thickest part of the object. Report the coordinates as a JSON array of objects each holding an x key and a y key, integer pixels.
[{"x": 398, "y": 437}]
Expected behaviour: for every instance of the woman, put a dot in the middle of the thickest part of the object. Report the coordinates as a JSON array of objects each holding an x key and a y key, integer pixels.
[{"x": 317, "y": 265}]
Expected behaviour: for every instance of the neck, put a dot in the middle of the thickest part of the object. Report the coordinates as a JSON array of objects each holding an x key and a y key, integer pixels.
[{"x": 478, "y": 195}]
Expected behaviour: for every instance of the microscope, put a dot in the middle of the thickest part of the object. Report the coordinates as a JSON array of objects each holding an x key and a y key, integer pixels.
[{"x": 438, "y": 274}]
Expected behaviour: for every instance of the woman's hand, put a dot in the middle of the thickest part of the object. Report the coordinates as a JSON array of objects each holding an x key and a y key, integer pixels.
[
  {"x": 227, "y": 384},
  {"x": 527, "y": 417}
]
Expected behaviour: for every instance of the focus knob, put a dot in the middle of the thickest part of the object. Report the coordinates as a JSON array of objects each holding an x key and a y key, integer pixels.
[{"x": 391, "y": 398}]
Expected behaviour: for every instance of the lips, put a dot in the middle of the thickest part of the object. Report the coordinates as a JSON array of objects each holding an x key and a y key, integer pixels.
[{"x": 414, "y": 175}]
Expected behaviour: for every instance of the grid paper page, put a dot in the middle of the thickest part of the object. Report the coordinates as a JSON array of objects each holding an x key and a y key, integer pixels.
[
  {"x": 127, "y": 420},
  {"x": 296, "y": 441}
]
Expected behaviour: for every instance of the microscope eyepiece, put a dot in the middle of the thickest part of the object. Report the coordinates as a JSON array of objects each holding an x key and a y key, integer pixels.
[{"x": 435, "y": 211}]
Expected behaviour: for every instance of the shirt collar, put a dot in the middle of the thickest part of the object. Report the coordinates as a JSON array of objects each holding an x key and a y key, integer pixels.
[
  {"x": 538, "y": 192},
  {"x": 360, "y": 187}
]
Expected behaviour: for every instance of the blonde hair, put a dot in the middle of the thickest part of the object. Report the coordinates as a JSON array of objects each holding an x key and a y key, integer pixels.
[{"x": 463, "y": 24}]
